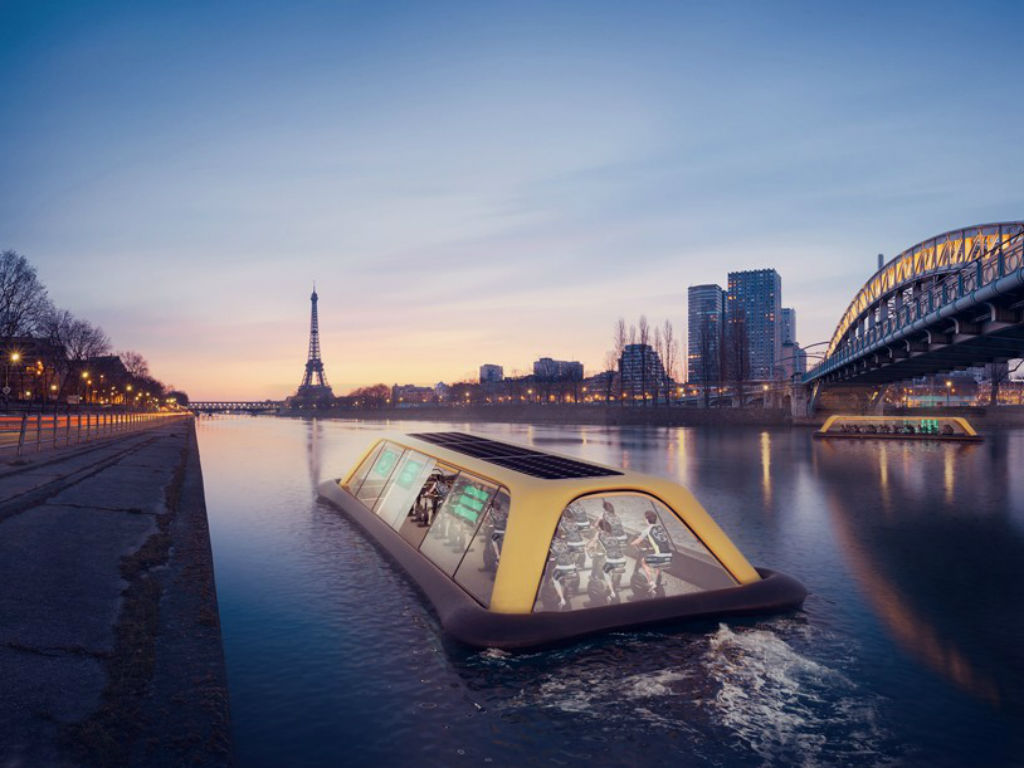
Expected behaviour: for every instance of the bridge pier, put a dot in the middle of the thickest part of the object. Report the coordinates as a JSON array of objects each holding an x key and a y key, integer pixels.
[{"x": 802, "y": 400}]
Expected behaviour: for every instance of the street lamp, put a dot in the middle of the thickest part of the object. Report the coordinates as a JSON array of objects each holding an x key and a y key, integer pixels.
[
  {"x": 13, "y": 358},
  {"x": 949, "y": 387}
]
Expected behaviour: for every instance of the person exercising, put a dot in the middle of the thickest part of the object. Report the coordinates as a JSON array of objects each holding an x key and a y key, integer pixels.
[
  {"x": 614, "y": 523},
  {"x": 655, "y": 549},
  {"x": 499, "y": 519},
  {"x": 564, "y": 559},
  {"x": 614, "y": 557}
]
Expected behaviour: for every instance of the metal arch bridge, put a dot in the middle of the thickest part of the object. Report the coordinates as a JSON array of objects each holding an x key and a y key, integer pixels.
[
  {"x": 247, "y": 406},
  {"x": 950, "y": 302}
]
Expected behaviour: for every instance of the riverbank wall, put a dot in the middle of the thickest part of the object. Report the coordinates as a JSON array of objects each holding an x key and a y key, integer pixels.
[
  {"x": 110, "y": 645},
  {"x": 655, "y": 416},
  {"x": 659, "y": 416}
]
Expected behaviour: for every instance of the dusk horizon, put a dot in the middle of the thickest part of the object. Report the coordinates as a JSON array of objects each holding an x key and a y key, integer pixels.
[
  {"x": 470, "y": 185},
  {"x": 511, "y": 384}
]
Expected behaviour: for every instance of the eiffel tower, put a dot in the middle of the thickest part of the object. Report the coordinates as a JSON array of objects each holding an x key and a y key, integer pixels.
[{"x": 314, "y": 391}]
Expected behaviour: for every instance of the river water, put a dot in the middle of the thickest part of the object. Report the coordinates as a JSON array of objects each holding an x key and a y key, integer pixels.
[{"x": 908, "y": 650}]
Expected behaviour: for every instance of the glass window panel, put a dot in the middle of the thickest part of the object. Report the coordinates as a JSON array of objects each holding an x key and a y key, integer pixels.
[
  {"x": 396, "y": 502},
  {"x": 624, "y": 548},
  {"x": 380, "y": 471},
  {"x": 456, "y": 522},
  {"x": 363, "y": 470},
  {"x": 479, "y": 566},
  {"x": 432, "y": 491}
]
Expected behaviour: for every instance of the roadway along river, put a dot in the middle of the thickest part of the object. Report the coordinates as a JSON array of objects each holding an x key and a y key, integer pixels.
[{"x": 907, "y": 652}]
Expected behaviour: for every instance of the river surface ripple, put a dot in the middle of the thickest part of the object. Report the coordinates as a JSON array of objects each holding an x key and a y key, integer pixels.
[{"x": 907, "y": 652}]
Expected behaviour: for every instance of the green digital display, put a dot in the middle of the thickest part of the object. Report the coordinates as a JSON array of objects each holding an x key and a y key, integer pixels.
[
  {"x": 470, "y": 503},
  {"x": 410, "y": 471},
  {"x": 385, "y": 463}
]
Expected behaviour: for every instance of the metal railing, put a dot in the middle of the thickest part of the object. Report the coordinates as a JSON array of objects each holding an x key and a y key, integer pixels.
[
  {"x": 32, "y": 432},
  {"x": 926, "y": 307}
]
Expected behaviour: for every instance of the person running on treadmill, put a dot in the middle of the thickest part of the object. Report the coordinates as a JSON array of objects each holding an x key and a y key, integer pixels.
[{"x": 655, "y": 548}]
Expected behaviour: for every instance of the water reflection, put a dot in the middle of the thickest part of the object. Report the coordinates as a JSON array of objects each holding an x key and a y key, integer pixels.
[
  {"x": 314, "y": 436},
  {"x": 948, "y": 482},
  {"x": 916, "y": 583},
  {"x": 766, "y": 469},
  {"x": 942, "y": 580}
]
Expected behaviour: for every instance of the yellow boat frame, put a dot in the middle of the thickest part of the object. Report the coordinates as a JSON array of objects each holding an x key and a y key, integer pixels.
[
  {"x": 535, "y": 508},
  {"x": 962, "y": 429}
]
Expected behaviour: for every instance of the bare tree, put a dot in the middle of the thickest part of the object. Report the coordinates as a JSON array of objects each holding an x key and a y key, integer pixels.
[
  {"x": 644, "y": 339},
  {"x": 658, "y": 350},
  {"x": 620, "y": 347},
  {"x": 706, "y": 364},
  {"x": 23, "y": 299},
  {"x": 737, "y": 353},
  {"x": 998, "y": 373},
  {"x": 669, "y": 357},
  {"x": 78, "y": 339},
  {"x": 86, "y": 340},
  {"x": 56, "y": 328},
  {"x": 135, "y": 363},
  {"x": 374, "y": 396},
  {"x": 611, "y": 362},
  {"x": 26, "y": 310}
]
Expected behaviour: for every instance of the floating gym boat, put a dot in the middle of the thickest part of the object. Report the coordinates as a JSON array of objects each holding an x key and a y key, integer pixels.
[
  {"x": 516, "y": 547},
  {"x": 954, "y": 428}
]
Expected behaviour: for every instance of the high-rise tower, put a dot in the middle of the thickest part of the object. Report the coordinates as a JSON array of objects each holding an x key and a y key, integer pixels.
[
  {"x": 706, "y": 320},
  {"x": 314, "y": 391},
  {"x": 754, "y": 315}
]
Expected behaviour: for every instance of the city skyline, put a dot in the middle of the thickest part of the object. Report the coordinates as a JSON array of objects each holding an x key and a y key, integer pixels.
[{"x": 473, "y": 185}]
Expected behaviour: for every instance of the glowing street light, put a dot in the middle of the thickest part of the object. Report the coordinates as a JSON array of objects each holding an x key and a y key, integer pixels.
[{"x": 14, "y": 358}]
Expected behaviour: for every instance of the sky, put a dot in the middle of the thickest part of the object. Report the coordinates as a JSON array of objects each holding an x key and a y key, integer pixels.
[{"x": 482, "y": 182}]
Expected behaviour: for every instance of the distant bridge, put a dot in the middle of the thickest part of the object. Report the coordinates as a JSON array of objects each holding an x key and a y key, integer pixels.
[
  {"x": 950, "y": 302},
  {"x": 245, "y": 406}
]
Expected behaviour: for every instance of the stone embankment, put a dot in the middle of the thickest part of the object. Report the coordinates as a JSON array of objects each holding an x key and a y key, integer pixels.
[
  {"x": 658, "y": 416},
  {"x": 110, "y": 646},
  {"x": 655, "y": 416}
]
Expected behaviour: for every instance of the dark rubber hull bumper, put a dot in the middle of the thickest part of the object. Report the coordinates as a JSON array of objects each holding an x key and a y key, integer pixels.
[
  {"x": 885, "y": 436},
  {"x": 467, "y": 621}
]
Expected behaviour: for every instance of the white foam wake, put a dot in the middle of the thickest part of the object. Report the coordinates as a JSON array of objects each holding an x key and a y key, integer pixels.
[{"x": 788, "y": 709}]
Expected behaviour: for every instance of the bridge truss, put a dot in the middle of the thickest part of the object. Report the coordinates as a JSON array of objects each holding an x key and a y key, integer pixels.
[{"x": 950, "y": 302}]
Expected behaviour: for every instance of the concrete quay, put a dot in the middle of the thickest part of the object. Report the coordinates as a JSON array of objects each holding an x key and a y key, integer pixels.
[
  {"x": 564, "y": 414},
  {"x": 110, "y": 646}
]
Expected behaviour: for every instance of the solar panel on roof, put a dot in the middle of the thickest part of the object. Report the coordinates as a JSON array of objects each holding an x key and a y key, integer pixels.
[{"x": 515, "y": 457}]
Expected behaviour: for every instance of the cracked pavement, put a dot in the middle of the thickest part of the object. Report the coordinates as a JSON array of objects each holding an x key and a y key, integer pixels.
[{"x": 67, "y": 519}]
